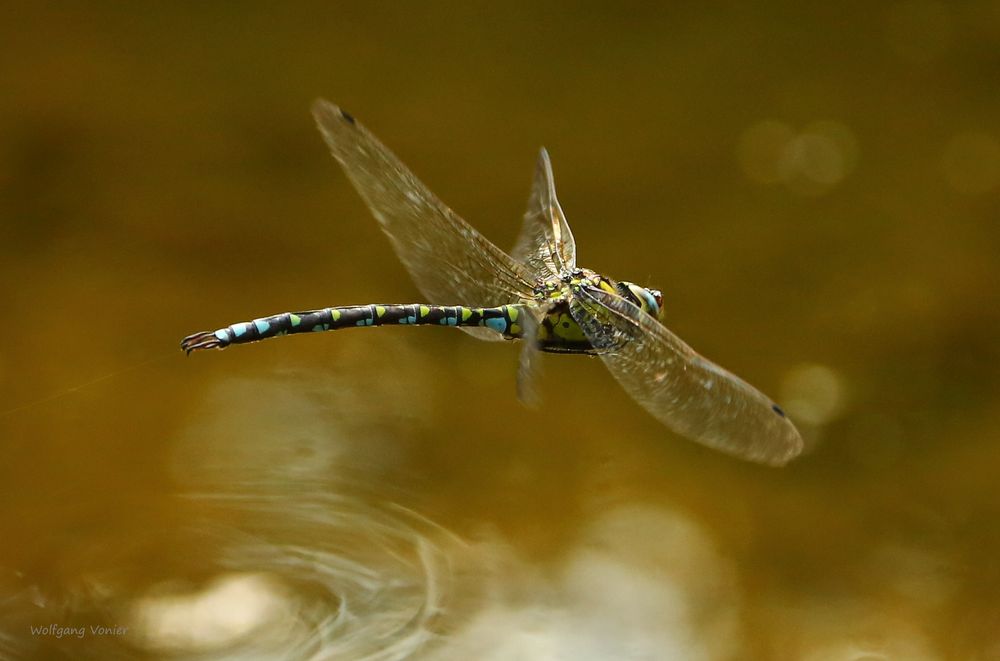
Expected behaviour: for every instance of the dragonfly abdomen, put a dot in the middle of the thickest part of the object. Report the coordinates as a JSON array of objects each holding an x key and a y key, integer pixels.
[{"x": 502, "y": 319}]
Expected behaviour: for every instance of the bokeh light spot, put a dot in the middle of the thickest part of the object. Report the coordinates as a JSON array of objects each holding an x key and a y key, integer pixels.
[
  {"x": 813, "y": 393},
  {"x": 815, "y": 157},
  {"x": 811, "y": 161}
]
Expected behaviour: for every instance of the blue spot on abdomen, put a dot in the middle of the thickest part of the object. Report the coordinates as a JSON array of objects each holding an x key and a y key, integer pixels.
[{"x": 499, "y": 324}]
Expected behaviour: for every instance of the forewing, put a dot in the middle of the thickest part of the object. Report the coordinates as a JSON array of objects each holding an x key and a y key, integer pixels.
[
  {"x": 689, "y": 394},
  {"x": 450, "y": 262},
  {"x": 545, "y": 244}
]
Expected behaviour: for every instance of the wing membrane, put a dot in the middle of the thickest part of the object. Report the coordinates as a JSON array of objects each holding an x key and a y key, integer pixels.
[
  {"x": 688, "y": 393},
  {"x": 545, "y": 244},
  {"x": 529, "y": 364},
  {"x": 450, "y": 262}
]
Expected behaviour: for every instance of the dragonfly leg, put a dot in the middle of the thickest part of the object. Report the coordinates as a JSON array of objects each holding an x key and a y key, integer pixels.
[{"x": 202, "y": 340}]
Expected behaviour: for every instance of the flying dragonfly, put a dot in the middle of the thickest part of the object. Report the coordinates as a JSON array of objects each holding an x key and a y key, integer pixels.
[{"x": 538, "y": 294}]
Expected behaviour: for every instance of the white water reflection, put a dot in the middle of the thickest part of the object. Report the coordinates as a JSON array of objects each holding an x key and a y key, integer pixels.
[
  {"x": 316, "y": 559},
  {"x": 293, "y": 543},
  {"x": 313, "y": 578},
  {"x": 311, "y": 561},
  {"x": 640, "y": 582},
  {"x": 231, "y": 607}
]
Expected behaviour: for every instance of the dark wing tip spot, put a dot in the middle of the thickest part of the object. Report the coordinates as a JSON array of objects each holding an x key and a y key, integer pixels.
[
  {"x": 346, "y": 115},
  {"x": 777, "y": 409}
]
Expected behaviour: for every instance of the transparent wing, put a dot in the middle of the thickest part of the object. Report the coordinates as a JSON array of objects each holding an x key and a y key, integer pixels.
[
  {"x": 689, "y": 394},
  {"x": 546, "y": 244},
  {"x": 529, "y": 364},
  {"x": 450, "y": 262}
]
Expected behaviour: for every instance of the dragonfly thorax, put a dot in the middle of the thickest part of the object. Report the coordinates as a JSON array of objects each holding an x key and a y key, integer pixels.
[
  {"x": 562, "y": 286},
  {"x": 558, "y": 330}
]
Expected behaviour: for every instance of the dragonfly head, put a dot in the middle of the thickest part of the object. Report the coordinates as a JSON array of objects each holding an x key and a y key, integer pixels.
[{"x": 649, "y": 301}]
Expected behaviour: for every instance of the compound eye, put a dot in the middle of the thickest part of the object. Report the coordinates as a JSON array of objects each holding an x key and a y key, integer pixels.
[
  {"x": 645, "y": 299},
  {"x": 658, "y": 297}
]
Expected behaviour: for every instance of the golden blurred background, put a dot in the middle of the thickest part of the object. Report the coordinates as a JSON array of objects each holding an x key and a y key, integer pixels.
[{"x": 814, "y": 187}]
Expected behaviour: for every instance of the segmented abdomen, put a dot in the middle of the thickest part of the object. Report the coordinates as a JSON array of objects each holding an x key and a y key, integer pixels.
[{"x": 503, "y": 319}]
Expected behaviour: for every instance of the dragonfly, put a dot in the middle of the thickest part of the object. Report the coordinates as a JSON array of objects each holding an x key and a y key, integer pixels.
[{"x": 535, "y": 293}]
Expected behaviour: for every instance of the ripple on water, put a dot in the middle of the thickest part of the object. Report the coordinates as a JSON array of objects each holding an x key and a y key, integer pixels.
[
  {"x": 313, "y": 557},
  {"x": 317, "y": 576}
]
